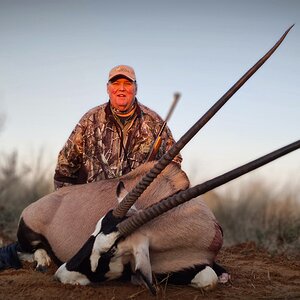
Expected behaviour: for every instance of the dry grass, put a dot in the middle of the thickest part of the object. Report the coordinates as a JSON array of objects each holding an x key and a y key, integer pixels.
[
  {"x": 255, "y": 214},
  {"x": 250, "y": 213},
  {"x": 20, "y": 185}
]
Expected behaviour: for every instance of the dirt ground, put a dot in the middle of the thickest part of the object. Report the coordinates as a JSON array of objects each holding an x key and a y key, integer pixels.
[{"x": 255, "y": 274}]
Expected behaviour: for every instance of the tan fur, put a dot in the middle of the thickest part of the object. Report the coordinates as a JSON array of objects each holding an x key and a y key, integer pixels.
[
  {"x": 179, "y": 238},
  {"x": 68, "y": 216}
]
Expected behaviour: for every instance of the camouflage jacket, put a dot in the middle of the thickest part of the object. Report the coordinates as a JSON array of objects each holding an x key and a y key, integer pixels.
[{"x": 102, "y": 147}]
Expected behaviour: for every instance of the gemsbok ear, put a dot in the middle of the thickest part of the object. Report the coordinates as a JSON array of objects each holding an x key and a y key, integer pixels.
[{"x": 121, "y": 191}]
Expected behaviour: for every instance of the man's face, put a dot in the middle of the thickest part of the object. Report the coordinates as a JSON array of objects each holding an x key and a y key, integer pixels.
[{"x": 121, "y": 93}]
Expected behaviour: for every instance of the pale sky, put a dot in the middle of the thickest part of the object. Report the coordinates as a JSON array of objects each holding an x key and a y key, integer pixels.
[{"x": 55, "y": 57}]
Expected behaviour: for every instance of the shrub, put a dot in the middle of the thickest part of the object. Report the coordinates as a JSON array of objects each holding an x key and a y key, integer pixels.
[
  {"x": 253, "y": 213},
  {"x": 20, "y": 185}
]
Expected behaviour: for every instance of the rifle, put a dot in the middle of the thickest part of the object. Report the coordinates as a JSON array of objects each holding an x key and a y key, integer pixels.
[{"x": 157, "y": 143}]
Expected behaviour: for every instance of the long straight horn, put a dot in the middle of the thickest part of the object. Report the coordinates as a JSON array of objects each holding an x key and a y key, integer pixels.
[
  {"x": 131, "y": 224},
  {"x": 121, "y": 210}
]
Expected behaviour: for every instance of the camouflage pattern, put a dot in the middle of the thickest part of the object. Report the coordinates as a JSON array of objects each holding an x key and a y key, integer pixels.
[{"x": 102, "y": 147}]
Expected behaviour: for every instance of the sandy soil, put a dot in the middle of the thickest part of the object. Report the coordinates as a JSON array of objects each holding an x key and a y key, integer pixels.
[{"x": 255, "y": 274}]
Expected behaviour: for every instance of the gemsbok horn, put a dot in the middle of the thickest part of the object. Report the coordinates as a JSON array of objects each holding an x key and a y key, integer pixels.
[
  {"x": 121, "y": 210},
  {"x": 129, "y": 225}
]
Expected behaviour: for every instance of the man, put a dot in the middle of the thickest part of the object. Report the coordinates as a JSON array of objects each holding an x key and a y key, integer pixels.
[{"x": 111, "y": 139}]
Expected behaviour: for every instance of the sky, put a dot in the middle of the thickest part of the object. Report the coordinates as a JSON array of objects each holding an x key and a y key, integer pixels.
[{"x": 55, "y": 57}]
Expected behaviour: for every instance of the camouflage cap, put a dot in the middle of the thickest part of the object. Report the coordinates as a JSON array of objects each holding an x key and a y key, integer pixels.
[{"x": 122, "y": 70}]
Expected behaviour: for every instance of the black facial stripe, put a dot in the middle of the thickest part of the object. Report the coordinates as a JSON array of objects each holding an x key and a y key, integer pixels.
[
  {"x": 80, "y": 262},
  {"x": 109, "y": 223},
  {"x": 83, "y": 266},
  {"x": 82, "y": 257}
]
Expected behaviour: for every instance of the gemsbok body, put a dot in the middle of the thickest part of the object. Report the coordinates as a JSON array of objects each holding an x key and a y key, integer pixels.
[
  {"x": 65, "y": 219},
  {"x": 186, "y": 239}
]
